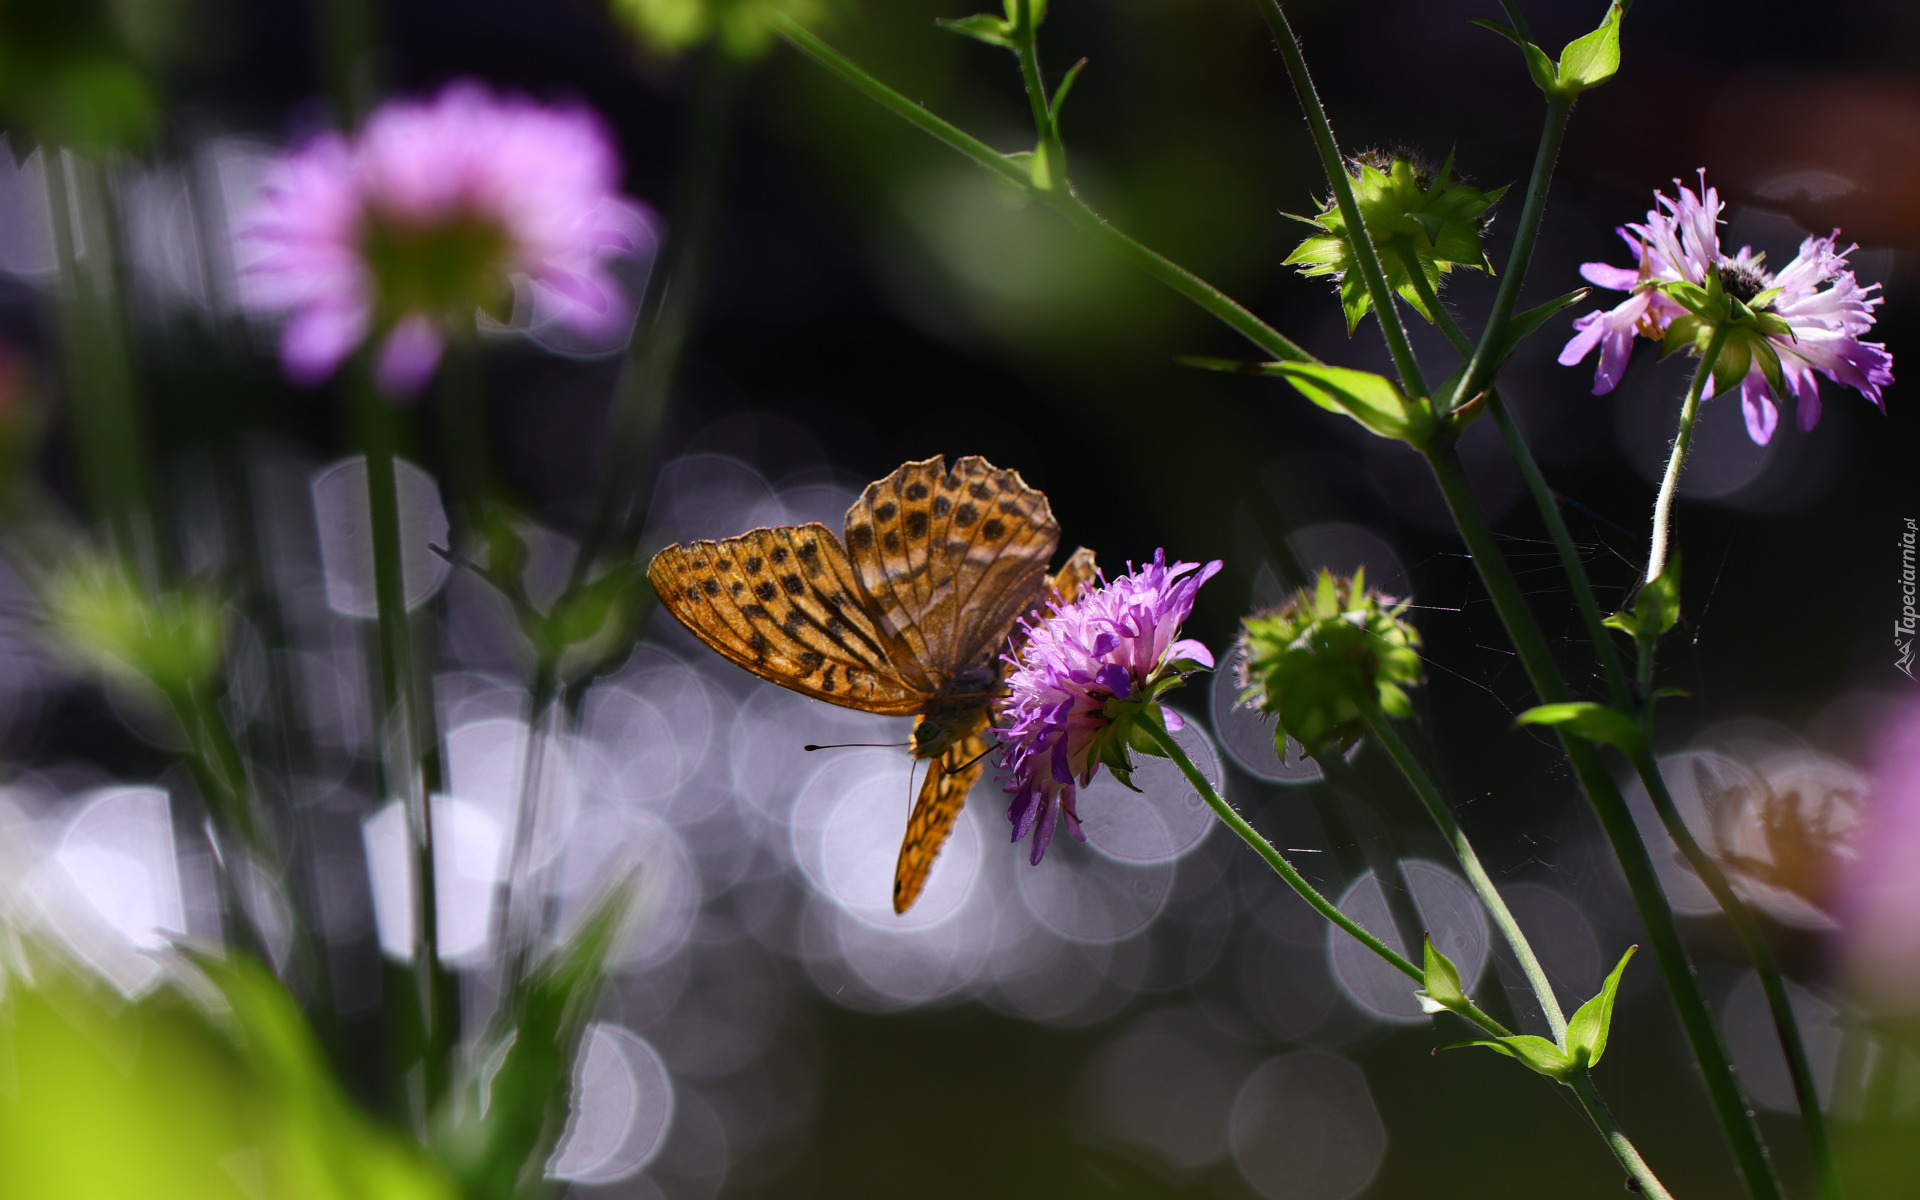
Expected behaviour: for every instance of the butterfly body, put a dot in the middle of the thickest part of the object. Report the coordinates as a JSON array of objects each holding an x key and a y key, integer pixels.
[{"x": 908, "y": 616}]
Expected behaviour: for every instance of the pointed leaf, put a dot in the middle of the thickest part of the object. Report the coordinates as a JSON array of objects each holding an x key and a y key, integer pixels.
[
  {"x": 1585, "y": 719},
  {"x": 1373, "y": 400},
  {"x": 1591, "y": 60},
  {"x": 1656, "y": 608},
  {"x": 1060, "y": 93},
  {"x": 1537, "y": 1052},
  {"x": 1587, "y": 1032},
  {"x": 1524, "y": 323},
  {"x": 981, "y": 27},
  {"x": 1231, "y": 365},
  {"x": 1442, "y": 981}
]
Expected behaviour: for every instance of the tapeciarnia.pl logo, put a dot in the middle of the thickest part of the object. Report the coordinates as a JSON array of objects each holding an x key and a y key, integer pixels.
[{"x": 1904, "y": 625}]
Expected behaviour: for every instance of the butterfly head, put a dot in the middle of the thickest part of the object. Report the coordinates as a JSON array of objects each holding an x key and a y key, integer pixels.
[{"x": 947, "y": 722}]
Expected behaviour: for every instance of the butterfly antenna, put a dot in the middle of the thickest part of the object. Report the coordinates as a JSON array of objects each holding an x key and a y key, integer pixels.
[
  {"x": 850, "y": 745},
  {"x": 976, "y": 758}
]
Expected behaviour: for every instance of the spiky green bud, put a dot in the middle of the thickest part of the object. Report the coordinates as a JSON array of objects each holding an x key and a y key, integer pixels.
[
  {"x": 1317, "y": 661},
  {"x": 1410, "y": 211}
]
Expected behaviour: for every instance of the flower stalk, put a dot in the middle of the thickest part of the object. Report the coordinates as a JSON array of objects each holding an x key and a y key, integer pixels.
[
  {"x": 1752, "y": 938},
  {"x": 403, "y": 730},
  {"x": 1229, "y": 311},
  {"x": 1603, "y": 1120},
  {"x": 1480, "y": 366},
  {"x": 1366, "y": 257},
  {"x": 1403, "y": 757},
  {"x": 1682, "y": 442}
]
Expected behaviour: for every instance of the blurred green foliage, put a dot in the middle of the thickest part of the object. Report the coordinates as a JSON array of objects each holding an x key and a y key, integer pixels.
[{"x": 195, "y": 1091}]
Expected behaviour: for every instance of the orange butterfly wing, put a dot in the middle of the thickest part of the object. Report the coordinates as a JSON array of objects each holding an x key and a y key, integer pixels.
[
  {"x": 911, "y": 614},
  {"x": 785, "y": 604},
  {"x": 949, "y": 559},
  {"x": 952, "y": 774}
]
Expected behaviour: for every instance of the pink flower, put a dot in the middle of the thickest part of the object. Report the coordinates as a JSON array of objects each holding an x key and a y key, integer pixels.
[
  {"x": 1879, "y": 893},
  {"x": 430, "y": 213},
  {"x": 1117, "y": 642},
  {"x": 1823, "y": 306}
]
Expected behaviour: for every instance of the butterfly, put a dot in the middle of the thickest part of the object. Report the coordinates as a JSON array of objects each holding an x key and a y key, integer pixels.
[{"x": 910, "y": 615}]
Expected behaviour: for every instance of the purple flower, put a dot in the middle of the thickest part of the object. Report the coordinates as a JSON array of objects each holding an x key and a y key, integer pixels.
[
  {"x": 1116, "y": 643},
  {"x": 431, "y": 212},
  {"x": 1822, "y": 307}
]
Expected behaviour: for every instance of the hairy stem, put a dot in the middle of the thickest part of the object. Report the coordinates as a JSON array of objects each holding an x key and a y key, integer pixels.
[
  {"x": 1650, "y": 899},
  {"x": 1682, "y": 442},
  {"x": 1786, "y": 1023},
  {"x": 1616, "y": 1139},
  {"x": 1549, "y": 506},
  {"x": 1286, "y": 870},
  {"x": 1480, "y": 367},
  {"x": 1366, "y": 257},
  {"x": 1403, "y": 757},
  {"x": 1583, "y": 1087}
]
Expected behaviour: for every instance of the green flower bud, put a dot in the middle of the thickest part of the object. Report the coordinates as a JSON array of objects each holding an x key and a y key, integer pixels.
[
  {"x": 1411, "y": 211},
  {"x": 174, "y": 640},
  {"x": 1320, "y": 659}
]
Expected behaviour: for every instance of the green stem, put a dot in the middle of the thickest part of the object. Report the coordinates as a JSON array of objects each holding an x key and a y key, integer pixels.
[
  {"x": 1670, "y": 482},
  {"x": 109, "y": 432},
  {"x": 1616, "y": 1139},
  {"x": 518, "y": 925},
  {"x": 1784, "y": 1020},
  {"x": 1481, "y": 366},
  {"x": 1751, "y": 937},
  {"x": 1548, "y": 504},
  {"x": 1228, "y": 310},
  {"x": 1359, "y": 237},
  {"x": 1683, "y": 985},
  {"x": 1298, "y": 882},
  {"x": 1403, "y": 757},
  {"x": 400, "y": 728},
  {"x": 1519, "y": 22},
  {"x": 1786, "y": 1024},
  {"x": 1026, "y": 40},
  {"x": 666, "y": 318},
  {"x": 1582, "y": 1086}
]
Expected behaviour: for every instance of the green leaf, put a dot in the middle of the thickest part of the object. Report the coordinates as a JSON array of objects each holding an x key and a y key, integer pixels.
[
  {"x": 1591, "y": 60},
  {"x": 1060, "y": 93},
  {"x": 1231, "y": 365},
  {"x": 1373, "y": 400},
  {"x": 1523, "y": 324},
  {"x": 1585, "y": 719},
  {"x": 513, "y": 1116},
  {"x": 1537, "y": 1052},
  {"x": 981, "y": 27},
  {"x": 1587, "y": 1032},
  {"x": 1443, "y": 990},
  {"x": 1656, "y": 608}
]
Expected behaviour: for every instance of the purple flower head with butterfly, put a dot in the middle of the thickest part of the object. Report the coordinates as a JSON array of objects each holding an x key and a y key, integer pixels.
[
  {"x": 434, "y": 210},
  {"x": 1088, "y": 672},
  {"x": 1806, "y": 320}
]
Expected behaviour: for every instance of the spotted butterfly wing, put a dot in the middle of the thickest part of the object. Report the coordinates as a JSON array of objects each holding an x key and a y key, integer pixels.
[
  {"x": 786, "y": 605},
  {"x": 952, "y": 774},
  {"x": 908, "y": 616}
]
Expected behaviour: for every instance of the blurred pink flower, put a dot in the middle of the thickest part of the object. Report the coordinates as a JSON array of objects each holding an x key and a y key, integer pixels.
[
  {"x": 1880, "y": 895},
  {"x": 401, "y": 232}
]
